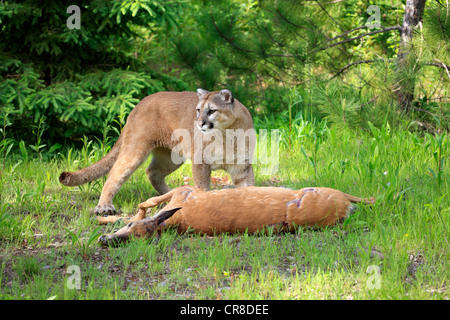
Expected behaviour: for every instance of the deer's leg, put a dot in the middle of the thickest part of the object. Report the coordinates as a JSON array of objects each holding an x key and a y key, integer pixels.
[
  {"x": 143, "y": 206},
  {"x": 111, "y": 219}
]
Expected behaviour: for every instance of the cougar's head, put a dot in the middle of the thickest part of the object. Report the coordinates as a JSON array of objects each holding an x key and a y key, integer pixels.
[{"x": 214, "y": 110}]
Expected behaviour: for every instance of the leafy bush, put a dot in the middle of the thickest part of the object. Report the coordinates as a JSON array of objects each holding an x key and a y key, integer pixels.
[
  {"x": 73, "y": 81},
  {"x": 73, "y": 109}
]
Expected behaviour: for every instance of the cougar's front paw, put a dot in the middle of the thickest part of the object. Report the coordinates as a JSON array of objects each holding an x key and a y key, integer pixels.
[{"x": 105, "y": 209}]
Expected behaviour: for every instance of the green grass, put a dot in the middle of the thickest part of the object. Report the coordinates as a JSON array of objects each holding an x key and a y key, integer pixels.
[{"x": 45, "y": 228}]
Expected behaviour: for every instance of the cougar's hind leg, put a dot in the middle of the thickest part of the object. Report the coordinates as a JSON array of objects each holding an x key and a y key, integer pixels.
[
  {"x": 160, "y": 167},
  {"x": 127, "y": 162}
]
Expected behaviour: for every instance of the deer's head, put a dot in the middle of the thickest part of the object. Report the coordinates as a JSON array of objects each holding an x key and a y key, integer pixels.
[{"x": 143, "y": 228}]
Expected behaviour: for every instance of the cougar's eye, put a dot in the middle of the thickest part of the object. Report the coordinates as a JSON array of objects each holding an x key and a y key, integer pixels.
[{"x": 210, "y": 112}]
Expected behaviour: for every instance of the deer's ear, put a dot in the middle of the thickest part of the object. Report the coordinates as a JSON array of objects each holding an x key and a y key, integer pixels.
[
  {"x": 201, "y": 93},
  {"x": 226, "y": 96},
  {"x": 164, "y": 215}
]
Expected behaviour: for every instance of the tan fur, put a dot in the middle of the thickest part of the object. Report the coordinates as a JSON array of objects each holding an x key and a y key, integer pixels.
[
  {"x": 149, "y": 129},
  {"x": 247, "y": 209}
]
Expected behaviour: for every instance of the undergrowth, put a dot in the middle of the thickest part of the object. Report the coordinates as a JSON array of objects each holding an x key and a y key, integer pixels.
[{"x": 395, "y": 249}]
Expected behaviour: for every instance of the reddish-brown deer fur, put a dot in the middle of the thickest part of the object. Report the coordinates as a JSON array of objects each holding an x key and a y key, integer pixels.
[{"x": 246, "y": 209}]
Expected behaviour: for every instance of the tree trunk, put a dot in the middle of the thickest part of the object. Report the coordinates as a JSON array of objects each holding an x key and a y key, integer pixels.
[{"x": 405, "y": 76}]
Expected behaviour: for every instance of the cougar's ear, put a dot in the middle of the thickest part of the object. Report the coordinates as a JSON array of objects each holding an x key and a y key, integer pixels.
[
  {"x": 226, "y": 96},
  {"x": 164, "y": 215},
  {"x": 201, "y": 93}
]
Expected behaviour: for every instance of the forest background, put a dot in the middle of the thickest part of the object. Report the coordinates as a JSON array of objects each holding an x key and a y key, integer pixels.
[{"x": 349, "y": 62}]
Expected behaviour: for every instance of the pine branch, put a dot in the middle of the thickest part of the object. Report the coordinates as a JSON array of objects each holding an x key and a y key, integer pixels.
[
  {"x": 329, "y": 15},
  {"x": 294, "y": 24},
  {"x": 301, "y": 27},
  {"x": 355, "y": 64},
  {"x": 423, "y": 110},
  {"x": 441, "y": 65},
  {"x": 347, "y": 32},
  {"x": 230, "y": 41},
  {"x": 287, "y": 20},
  {"x": 369, "y": 102},
  {"x": 356, "y": 38}
]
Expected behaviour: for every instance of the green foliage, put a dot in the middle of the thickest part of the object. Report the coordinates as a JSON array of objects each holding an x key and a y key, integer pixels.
[
  {"x": 44, "y": 228},
  {"x": 58, "y": 53},
  {"x": 84, "y": 244},
  {"x": 76, "y": 80},
  {"x": 263, "y": 50},
  {"x": 283, "y": 59},
  {"x": 28, "y": 267},
  {"x": 73, "y": 109}
]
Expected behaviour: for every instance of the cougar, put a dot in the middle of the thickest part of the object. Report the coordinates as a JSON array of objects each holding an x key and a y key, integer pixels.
[{"x": 150, "y": 129}]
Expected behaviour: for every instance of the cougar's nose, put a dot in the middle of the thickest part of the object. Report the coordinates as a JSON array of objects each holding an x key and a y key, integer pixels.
[{"x": 207, "y": 126}]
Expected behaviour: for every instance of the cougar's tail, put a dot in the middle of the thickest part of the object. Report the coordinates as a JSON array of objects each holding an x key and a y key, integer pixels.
[
  {"x": 354, "y": 199},
  {"x": 94, "y": 171}
]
